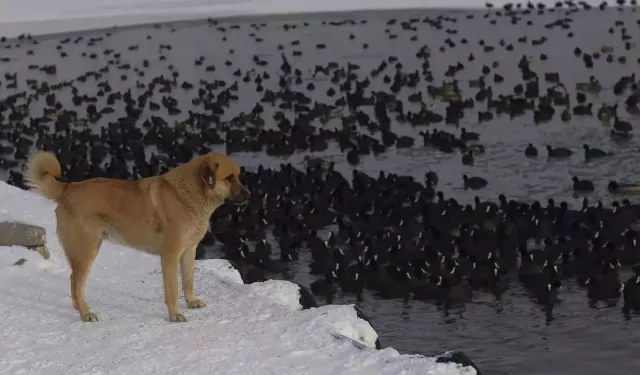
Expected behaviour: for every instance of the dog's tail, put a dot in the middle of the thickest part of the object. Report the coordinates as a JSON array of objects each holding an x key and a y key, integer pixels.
[{"x": 43, "y": 171}]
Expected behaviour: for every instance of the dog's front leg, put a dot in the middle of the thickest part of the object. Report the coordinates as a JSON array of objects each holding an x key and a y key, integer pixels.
[
  {"x": 170, "y": 259},
  {"x": 187, "y": 265}
]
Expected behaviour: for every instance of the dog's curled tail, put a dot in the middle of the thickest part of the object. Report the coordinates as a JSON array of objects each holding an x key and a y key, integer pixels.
[{"x": 43, "y": 170}]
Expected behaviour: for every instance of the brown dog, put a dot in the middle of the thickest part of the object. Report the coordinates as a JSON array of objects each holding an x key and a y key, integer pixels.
[{"x": 165, "y": 215}]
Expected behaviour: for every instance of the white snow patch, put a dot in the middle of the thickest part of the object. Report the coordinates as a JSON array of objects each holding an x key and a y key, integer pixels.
[
  {"x": 220, "y": 267},
  {"x": 245, "y": 329}
]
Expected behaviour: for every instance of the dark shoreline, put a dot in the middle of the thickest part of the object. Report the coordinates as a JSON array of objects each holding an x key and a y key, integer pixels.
[{"x": 289, "y": 17}]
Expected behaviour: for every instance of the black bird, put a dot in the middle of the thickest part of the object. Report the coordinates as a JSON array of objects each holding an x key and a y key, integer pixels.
[
  {"x": 618, "y": 187},
  {"x": 531, "y": 151},
  {"x": 467, "y": 159},
  {"x": 559, "y": 152},
  {"x": 593, "y": 153},
  {"x": 468, "y": 136},
  {"x": 621, "y": 126},
  {"x": 582, "y": 185},
  {"x": 474, "y": 182}
]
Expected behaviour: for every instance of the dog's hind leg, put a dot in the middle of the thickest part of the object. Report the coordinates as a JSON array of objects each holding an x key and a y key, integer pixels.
[
  {"x": 80, "y": 269},
  {"x": 81, "y": 246},
  {"x": 187, "y": 265}
]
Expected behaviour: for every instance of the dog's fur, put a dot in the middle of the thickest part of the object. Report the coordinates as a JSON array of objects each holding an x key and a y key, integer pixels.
[{"x": 166, "y": 215}]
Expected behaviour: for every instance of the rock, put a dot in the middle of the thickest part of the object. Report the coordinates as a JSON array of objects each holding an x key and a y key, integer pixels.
[
  {"x": 459, "y": 357},
  {"x": 20, "y": 262},
  {"x": 21, "y": 234},
  {"x": 42, "y": 250}
]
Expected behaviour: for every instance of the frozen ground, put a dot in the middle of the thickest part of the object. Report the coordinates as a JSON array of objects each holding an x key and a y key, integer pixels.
[
  {"x": 246, "y": 329},
  {"x": 47, "y": 16}
]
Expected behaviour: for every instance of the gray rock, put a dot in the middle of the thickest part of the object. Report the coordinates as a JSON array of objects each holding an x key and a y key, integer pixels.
[
  {"x": 42, "y": 250},
  {"x": 21, "y": 234},
  {"x": 20, "y": 262}
]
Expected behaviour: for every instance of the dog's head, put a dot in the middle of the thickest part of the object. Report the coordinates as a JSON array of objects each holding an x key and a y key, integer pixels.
[{"x": 219, "y": 176}]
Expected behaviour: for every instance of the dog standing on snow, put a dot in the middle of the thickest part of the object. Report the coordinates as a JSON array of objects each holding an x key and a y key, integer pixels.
[{"x": 165, "y": 215}]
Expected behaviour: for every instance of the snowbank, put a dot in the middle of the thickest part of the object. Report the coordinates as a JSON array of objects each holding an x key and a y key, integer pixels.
[
  {"x": 246, "y": 329},
  {"x": 45, "y": 16}
]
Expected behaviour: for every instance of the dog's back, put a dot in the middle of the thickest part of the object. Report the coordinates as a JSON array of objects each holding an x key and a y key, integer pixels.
[{"x": 127, "y": 212}]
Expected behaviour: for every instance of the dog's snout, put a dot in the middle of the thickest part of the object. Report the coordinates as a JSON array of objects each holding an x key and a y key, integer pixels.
[{"x": 242, "y": 195}]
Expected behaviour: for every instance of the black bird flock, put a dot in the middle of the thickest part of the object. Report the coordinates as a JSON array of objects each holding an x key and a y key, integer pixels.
[{"x": 129, "y": 103}]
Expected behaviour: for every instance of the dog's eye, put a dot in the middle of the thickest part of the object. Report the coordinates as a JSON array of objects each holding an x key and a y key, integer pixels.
[{"x": 229, "y": 178}]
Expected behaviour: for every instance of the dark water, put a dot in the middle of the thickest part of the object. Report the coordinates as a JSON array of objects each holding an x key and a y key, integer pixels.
[{"x": 510, "y": 335}]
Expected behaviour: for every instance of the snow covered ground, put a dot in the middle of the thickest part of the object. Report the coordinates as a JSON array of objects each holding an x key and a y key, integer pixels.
[
  {"x": 45, "y": 16},
  {"x": 246, "y": 329}
]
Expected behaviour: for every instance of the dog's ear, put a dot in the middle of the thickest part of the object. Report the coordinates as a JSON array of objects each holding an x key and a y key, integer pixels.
[{"x": 208, "y": 174}]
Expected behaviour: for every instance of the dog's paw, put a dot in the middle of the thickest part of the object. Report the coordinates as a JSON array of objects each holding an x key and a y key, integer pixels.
[
  {"x": 177, "y": 317},
  {"x": 196, "y": 304},
  {"x": 89, "y": 317}
]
